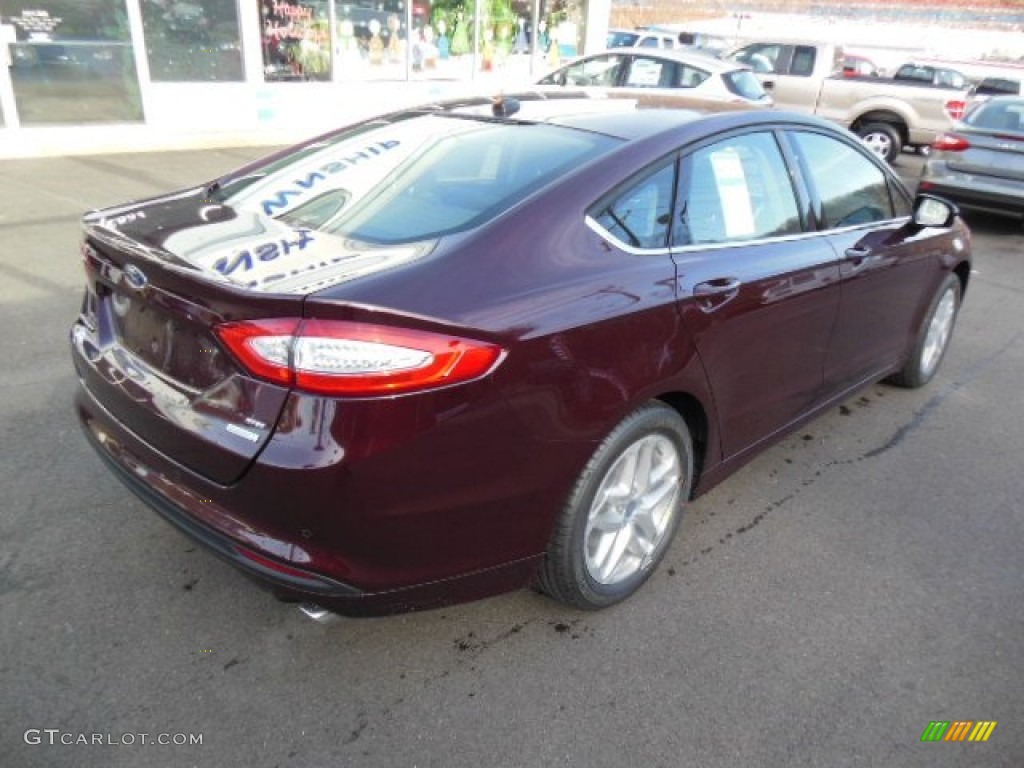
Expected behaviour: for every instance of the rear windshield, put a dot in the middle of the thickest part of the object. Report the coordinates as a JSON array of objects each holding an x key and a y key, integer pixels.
[
  {"x": 413, "y": 179},
  {"x": 1005, "y": 116},
  {"x": 744, "y": 83}
]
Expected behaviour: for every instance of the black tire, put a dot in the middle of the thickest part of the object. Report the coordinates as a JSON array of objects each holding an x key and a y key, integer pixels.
[
  {"x": 933, "y": 337},
  {"x": 883, "y": 139},
  {"x": 571, "y": 572}
]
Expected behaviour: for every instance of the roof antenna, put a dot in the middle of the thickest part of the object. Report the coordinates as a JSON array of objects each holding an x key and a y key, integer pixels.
[{"x": 501, "y": 106}]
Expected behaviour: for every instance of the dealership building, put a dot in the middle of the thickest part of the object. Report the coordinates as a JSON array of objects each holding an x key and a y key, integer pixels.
[{"x": 108, "y": 75}]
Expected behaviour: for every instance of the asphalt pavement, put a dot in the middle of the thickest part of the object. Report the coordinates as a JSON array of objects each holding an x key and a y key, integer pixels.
[{"x": 822, "y": 607}]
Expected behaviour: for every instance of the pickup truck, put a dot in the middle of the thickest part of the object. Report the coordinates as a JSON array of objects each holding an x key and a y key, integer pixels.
[{"x": 888, "y": 114}]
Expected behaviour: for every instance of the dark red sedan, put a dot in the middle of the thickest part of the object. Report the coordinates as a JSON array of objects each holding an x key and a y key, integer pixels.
[{"x": 443, "y": 354}]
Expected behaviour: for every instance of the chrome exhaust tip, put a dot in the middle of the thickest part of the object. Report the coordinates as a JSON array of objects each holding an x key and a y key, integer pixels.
[{"x": 318, "y": 614}]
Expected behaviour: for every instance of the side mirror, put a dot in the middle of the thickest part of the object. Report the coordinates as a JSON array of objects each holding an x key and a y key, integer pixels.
[{"x": 931, "y": 211}]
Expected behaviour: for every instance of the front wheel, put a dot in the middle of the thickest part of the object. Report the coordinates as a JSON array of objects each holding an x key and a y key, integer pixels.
[
  {"x": 623, "y": 511},
  {"x": 932, "y": 337},
  {"x": 882, "y": 139}
]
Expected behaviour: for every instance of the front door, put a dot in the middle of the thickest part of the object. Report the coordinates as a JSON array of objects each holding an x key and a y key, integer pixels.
[{"x": 881, "y": 269}]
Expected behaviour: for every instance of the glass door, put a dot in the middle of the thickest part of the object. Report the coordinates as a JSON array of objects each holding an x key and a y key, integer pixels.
[{"x": 72, "y": 62}]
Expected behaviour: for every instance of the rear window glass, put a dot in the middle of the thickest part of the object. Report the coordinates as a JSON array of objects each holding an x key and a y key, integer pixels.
[
  {"x": 744, "y": 83},
  {"x": 999, "y": 116},
  {"x": 803, "y": 61},
  {"x": 413, "y": 179}
]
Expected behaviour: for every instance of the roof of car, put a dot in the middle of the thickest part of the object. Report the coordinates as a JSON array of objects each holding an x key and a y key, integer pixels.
[
  {"x": 621, "y": 118},
  {"x": 618, "y": 117},
  {"x": 684, "y": 55}
]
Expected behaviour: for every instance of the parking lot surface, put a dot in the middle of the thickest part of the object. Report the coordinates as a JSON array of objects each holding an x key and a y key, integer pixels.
[{"x": 822, "y": 607}]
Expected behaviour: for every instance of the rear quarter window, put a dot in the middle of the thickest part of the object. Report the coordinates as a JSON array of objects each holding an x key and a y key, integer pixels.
[
  {"x": 744, "y": 83},
  {"x": 803, "y": 61}
]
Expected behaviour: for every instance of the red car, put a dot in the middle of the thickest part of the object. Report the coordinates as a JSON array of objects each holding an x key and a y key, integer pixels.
[{"x": 443, "y": 354}]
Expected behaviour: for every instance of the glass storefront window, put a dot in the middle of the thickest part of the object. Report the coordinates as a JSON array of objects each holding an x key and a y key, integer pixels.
[
  {"x": 296, "y": 40},
  {"x": 72, "y": 61},
  {"x": 192, "y": 41}
]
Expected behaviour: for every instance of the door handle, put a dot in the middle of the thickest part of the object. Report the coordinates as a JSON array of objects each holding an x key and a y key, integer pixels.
[
  {"x": 857, "y": 253},
  {"x": 712, "y": 294},
  {"x": 716, "y": 287}
]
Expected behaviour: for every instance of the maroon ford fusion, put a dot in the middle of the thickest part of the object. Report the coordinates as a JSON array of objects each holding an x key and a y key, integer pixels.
[{"x": 443, "y": 354}]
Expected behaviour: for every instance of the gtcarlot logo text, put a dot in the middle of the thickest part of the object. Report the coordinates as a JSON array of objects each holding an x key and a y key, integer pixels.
[{"x": 54, "y": 736}]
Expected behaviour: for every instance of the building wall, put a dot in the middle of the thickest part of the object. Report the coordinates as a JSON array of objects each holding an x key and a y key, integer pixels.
[{"x": 109, "y": 75}]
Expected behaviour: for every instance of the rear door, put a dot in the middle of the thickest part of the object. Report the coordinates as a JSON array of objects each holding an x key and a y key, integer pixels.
[{"x": 757, "y": 292}]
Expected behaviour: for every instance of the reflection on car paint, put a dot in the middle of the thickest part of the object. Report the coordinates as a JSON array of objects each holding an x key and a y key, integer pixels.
[
  {"x": 263, "y": 252},
  {"x": 278, "y": 201}
]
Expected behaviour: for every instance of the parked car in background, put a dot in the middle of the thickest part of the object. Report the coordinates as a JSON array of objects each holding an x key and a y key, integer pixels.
[
  {"x": 928, "y": 74},
  {"x": 665, "y": 79},
  {"x": 886, "y": 113},
  {"x": 703, "y": 42},
  {"x": 859, "y": 66},
  {"x": 438, "y": 355},
  {"x": 980, "y": 163},
  {"x": 640, "y": 38},
  {"x": 997, "y": 86}
]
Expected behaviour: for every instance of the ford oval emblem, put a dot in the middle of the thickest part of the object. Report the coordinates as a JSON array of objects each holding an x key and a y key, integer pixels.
[{"x": 135, "y": 277}]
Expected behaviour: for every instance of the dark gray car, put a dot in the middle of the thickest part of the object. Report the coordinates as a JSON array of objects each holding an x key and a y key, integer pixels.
[{"x": 980, "y": 163}]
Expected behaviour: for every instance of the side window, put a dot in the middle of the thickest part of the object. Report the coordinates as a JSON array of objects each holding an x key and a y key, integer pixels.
[
  {"x": 639, "y": 215},
  {"x": 763, "y": 57},
  {"x": 649, "y": 73},
  {"x": 690, "y": 77},
  {"x": 803, "y": 61},
  {"x": 736, "y": 189},
  {"x": 649, "y": 42},
  {"x": 601, "y": 70},
  {"x": 853, "y": 189}
]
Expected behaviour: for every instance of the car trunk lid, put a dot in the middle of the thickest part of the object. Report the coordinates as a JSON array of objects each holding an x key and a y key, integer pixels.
[
  {"x": 148, "y": 353},
  {"x": 992, "y": 153}
]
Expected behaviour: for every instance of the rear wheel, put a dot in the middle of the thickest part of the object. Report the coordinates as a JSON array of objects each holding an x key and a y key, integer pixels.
[
  {"x": 882, "y": 139},
  {"x": 623, "y": 511},
  {"x": 932, "y": 337}
]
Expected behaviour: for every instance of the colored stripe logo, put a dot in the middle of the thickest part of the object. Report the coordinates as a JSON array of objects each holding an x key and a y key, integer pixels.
[{"x": 959, "y": 730}]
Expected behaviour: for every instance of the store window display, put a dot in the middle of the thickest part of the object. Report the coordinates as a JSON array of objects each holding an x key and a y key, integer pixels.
[{"x": 296, "y": 41}]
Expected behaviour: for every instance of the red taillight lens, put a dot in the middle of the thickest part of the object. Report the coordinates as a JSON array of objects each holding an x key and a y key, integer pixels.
[
  {"x": 956, "y": 109},
  {"x": 263, "y": 346},
  {"x": 356, "y": 359},
  {"x": 950, "y": 142}
]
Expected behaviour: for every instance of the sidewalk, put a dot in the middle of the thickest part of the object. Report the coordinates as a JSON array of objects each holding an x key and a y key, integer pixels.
[{"x": 198, "y": 116}]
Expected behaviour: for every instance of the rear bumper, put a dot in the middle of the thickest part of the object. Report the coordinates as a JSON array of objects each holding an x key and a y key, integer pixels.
[{"x": 266, "y": 543}]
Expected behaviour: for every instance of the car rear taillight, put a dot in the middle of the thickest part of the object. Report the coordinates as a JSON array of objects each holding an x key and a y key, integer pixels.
[
  {"x": 950, "y": 142},
  {"x": 342, "y": 358},
  {"x": 956, "y": 108}
]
